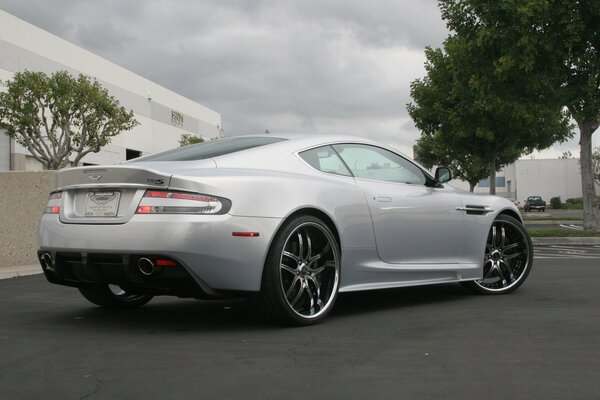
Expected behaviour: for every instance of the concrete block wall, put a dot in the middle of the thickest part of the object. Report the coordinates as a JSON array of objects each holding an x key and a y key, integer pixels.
[{"x": 22, "y": 200}]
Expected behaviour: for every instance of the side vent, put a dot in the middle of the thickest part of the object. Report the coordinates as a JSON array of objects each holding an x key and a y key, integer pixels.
[{"x": 475, "y": 210}]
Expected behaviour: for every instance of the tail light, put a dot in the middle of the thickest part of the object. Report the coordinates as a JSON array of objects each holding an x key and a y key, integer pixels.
[
  {"x": 53, "y": 205},
  {"x": 171, "y": 202}
]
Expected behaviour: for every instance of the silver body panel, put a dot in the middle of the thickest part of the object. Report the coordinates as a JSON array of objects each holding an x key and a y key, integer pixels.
[{"x": 390, "y": 234}]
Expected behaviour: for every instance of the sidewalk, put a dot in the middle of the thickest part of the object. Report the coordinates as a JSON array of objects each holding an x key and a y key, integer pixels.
[{"x": 24, "y": 270}]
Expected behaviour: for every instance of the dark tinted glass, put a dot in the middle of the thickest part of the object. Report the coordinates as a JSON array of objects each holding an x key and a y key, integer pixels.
[{"x": 209, "y": 149}]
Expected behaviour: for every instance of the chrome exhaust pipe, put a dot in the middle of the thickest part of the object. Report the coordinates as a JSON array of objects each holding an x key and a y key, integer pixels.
[
  {"x": 47, "y": 261},
  {"x": 146, "y": 266}
]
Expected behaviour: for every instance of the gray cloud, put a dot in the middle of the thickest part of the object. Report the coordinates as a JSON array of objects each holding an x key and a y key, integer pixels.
[{"x": 333, "y": 66}]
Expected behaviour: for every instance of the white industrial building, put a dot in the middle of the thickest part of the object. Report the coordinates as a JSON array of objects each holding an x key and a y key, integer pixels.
[
  {"x": 163, "y": 115},
  {"x": 535, "y": 177}
]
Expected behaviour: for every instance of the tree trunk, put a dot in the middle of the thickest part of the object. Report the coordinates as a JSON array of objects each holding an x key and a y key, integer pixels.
[
  {"x": 493, "y": 173},
  {"x": 591, "y": 206},
  {"x": 472, "y": 186}
]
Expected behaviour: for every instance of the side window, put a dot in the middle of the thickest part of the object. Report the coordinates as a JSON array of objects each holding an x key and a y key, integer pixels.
[
  {"x": 325, "y": 159},
  {"x": 375, "y": 163}
]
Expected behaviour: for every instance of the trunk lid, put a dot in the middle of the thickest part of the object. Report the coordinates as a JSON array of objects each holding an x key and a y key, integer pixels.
[{"x": 110, "y": 194}]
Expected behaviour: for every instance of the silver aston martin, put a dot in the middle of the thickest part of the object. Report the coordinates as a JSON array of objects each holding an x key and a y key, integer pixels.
[{"x": 286, "y": 220}]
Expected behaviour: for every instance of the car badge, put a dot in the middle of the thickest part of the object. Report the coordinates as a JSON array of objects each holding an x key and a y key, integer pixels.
[{"x": 95, "y": 177}]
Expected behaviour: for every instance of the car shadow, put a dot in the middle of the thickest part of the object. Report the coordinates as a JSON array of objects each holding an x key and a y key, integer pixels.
[
  {"x": 166, "y": 314},
  {"x": 355, "y": 303}
]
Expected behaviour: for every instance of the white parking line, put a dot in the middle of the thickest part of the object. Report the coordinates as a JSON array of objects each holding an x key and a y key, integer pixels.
[{"x": 571, "y": 226}]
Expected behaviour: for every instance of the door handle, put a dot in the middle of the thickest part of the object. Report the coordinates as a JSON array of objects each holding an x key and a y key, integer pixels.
[{"x": 383, "y": 199}]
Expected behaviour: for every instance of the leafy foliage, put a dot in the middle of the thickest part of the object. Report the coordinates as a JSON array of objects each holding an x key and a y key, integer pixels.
[
  {"x": 432, "y": 150},
  {"x": 188, "y": 139},
  {"x": 471, "y": 120},
  {"x": 59, "y": 115},
  {"x": 556, "y": 44}
]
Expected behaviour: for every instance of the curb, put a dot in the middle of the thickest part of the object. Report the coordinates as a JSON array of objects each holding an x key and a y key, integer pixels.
[
  {"x": 566, "y": 241},
  {"x": 22, "y": 270}
]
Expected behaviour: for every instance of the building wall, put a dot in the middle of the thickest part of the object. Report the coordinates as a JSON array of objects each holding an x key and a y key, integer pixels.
[
  {"x": 24, "y": 196},
  {"x": 163, "y": 114},
  {"x": 548, "y": 178},
  {"x": 538, "y": 177}
]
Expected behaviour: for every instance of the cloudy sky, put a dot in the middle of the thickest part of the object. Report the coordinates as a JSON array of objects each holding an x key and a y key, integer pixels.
[{"x": 331, "y": 66}]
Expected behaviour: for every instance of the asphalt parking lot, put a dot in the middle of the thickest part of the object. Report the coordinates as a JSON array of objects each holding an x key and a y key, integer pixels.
[{"x": 542, "y": 341}]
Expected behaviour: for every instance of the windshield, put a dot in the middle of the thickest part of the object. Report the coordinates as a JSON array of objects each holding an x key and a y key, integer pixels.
[{"x": 210, "y": 149}]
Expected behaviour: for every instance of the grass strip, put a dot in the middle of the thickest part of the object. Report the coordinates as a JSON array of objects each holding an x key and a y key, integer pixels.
[
  {"x": 562, "y": 233},
  {"x": 541, "y": 218}
]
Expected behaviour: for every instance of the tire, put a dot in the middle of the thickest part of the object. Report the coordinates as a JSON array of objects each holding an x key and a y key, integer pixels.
[
  {"x": 543, "y": 210},
  {"x": 301, "y": 273},
  {"x": 508, "y": 258},
  {"x": 110, "y": 296}
]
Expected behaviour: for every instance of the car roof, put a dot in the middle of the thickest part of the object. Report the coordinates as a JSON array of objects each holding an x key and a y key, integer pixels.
[{"x": 297, "y": 141}]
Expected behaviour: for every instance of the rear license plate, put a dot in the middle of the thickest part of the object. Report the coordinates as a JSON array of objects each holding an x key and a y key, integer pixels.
[{"x": 102, "y": 204}]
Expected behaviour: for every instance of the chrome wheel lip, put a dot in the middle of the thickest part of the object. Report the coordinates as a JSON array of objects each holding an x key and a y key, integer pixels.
[
  {"x": 303, "y": 274},
  {"x": 495, "y": 254}
]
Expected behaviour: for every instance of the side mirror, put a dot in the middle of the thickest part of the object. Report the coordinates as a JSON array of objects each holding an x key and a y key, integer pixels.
[{"x": 443, "y": 174}]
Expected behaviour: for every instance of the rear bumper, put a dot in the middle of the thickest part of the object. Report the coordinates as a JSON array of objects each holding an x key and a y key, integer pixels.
[
  {"x": 208, "y": 256},
  {"x": 81, "y": 268}
]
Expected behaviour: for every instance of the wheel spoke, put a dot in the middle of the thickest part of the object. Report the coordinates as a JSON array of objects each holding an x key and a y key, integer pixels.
[
  {"x": 493, "y": 236},
  {"x": 299, "y": 294},
  {"x": 291, "y": 288},
  {"x": 501, "y": 275},
  {"x": 511, "y": 276},
  {"x": 489, "y": 272},
  {"x": 289, "y": 269},
  {"x": 511, "y": 246},
  {"x": 308, "y": 247},
  {"x": 514, "y": 255},
  {"x": 327, "y": 264},
  {"x": 311, "y": 298},
  {"x": 292, "y": 256},
  {"x": 321, "y": 254},
  {"x": 314, "y": 281},
  {"x": 502, "y": 237},
  {"x": 300, "y": 247}
]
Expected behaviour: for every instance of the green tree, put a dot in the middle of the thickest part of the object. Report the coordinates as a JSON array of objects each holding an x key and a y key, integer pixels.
[
  {"x": 59, "y": 115},
  {"x": 478, "y": 119},
  {"x": 556, "y": 44},
  {"x": 566, "y": 155},
  {"x": 188, "y": 139},
  {"x": 432, "y": 150}
]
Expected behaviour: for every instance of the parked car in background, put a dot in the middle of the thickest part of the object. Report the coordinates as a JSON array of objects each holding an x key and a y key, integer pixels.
[{"x": 534, "y": 203}]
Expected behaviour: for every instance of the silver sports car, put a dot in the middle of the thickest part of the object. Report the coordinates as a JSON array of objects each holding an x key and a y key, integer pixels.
[{"x": 287, "y": 220}]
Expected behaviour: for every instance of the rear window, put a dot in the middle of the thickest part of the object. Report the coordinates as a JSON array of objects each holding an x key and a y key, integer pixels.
[{"x": 210, "y": 149}]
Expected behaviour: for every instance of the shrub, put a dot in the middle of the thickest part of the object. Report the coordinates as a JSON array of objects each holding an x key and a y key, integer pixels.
[{"x": 555, "y": 202}]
